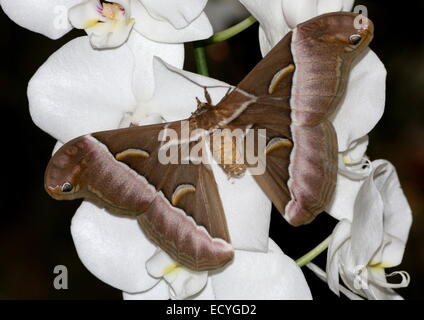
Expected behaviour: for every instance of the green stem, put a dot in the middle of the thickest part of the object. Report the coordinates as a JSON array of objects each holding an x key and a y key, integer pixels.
[
  {"x": 315, "y": 252},
  {"x": 200, "y": 57},
  {"x": 199, "y": 46},
  {"x": 230, "y": 32}
]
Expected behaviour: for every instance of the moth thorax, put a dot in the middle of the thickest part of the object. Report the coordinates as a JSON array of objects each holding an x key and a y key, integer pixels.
[{"x": 227, "y": 150}]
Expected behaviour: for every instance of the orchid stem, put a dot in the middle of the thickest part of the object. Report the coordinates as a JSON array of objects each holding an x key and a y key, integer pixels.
[
  {"x": 315, "y": 252},
  {"x": 231, "y": 31},
  {"x": 200, "y": 57},
  {"x": 199, "y": 46}
]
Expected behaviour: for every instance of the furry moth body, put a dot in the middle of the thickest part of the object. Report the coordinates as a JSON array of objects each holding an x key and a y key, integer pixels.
[{"x": 290, "y": 93}]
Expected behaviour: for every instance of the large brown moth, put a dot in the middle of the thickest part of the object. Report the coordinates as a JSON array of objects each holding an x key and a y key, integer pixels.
[{"x": 290, "y": 93}]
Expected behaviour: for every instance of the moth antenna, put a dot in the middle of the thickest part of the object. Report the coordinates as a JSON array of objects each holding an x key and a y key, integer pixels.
[
  {"x": 199, "y": 103},
  {"x": 230, "y": 89},
  {"x": 207, "y": 96}
]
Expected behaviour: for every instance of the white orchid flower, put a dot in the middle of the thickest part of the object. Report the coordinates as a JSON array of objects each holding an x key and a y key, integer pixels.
[
  {"x": 266, "y": 275},
  {"x": 375, "y": 219},
  {"x": 109, "y": 23}
]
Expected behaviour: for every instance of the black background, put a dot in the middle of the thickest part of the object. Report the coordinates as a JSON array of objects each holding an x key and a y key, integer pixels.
[{"x": 35, "y": 230}]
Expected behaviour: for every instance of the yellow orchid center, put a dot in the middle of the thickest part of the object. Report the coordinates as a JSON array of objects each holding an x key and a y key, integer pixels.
[
  {"x": 173, "y": 267},
  {"x": 347, "y": 160},
  {"x": 380, "y": 265}
]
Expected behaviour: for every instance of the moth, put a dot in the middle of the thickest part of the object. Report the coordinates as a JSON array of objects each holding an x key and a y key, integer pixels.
[{"x": 290, "y": 93}]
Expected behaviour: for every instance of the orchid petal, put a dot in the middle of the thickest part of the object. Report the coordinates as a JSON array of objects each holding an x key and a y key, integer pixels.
[
  {"x": 377, "y": 287},
  {"x": 109, "y": 35},
  {"x": 180, "y": 13},
  {"x": 339, "y": 239},
  {"x": 159, "y": 292},
  {"x": 144, "y": 50},
  {"x": 76, "y": 85},
  {"x": 264, "y": 44},
  {"x": 152, "y": 118},
  {"x": 270, "y": 275},
  {"x": 249, "y": 209},
  {"x": 364, "y": 100},
  {"x": 382, "y": 280},
  {"x": 356, "y": 151},
  {"x": 391, "y": 251},
  {"x": 397, "y": 214},
  {"x": 323, "y": 276},
  {"x": 47, "y": 17},
  {"x": 273, "y": 27},
  {"x": 343, "y": 201},
  {"x": 354, "y": 167},
  {"x": 298, "y": 11},
  {"x": 367, "y": 225},
  {"x": 370, "y": 282},
  {"x": 381, "y": 290},
  {"x": 163, "y": 31},
  {"x": 183, "y": 282},
  {"x": 113, "y": 248},
  {"x": 224, "y": 13},
  {"x": 354, "y": 275},
  {"x": 353, "y": 163},
  {"x": 207, "y": 293},
  {"x": 56, "y": 147},
  {"x": 347, "y": 5},
  {"x": 325, "y": 6},
  {"x": 176, "y": 102}
]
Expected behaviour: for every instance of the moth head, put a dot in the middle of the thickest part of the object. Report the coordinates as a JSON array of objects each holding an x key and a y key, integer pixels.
[
  {"x": 343, "y": 32},
  {"x": 62, "y": 177}
]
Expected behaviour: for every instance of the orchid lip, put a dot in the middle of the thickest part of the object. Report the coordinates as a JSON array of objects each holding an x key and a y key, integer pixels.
[{"x": 108, "y": 10}]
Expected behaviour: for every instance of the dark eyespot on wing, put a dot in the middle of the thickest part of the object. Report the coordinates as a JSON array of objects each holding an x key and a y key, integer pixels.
[
  {"x": 67, "y": 187},
  {"x": 355, "y": 39}
]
